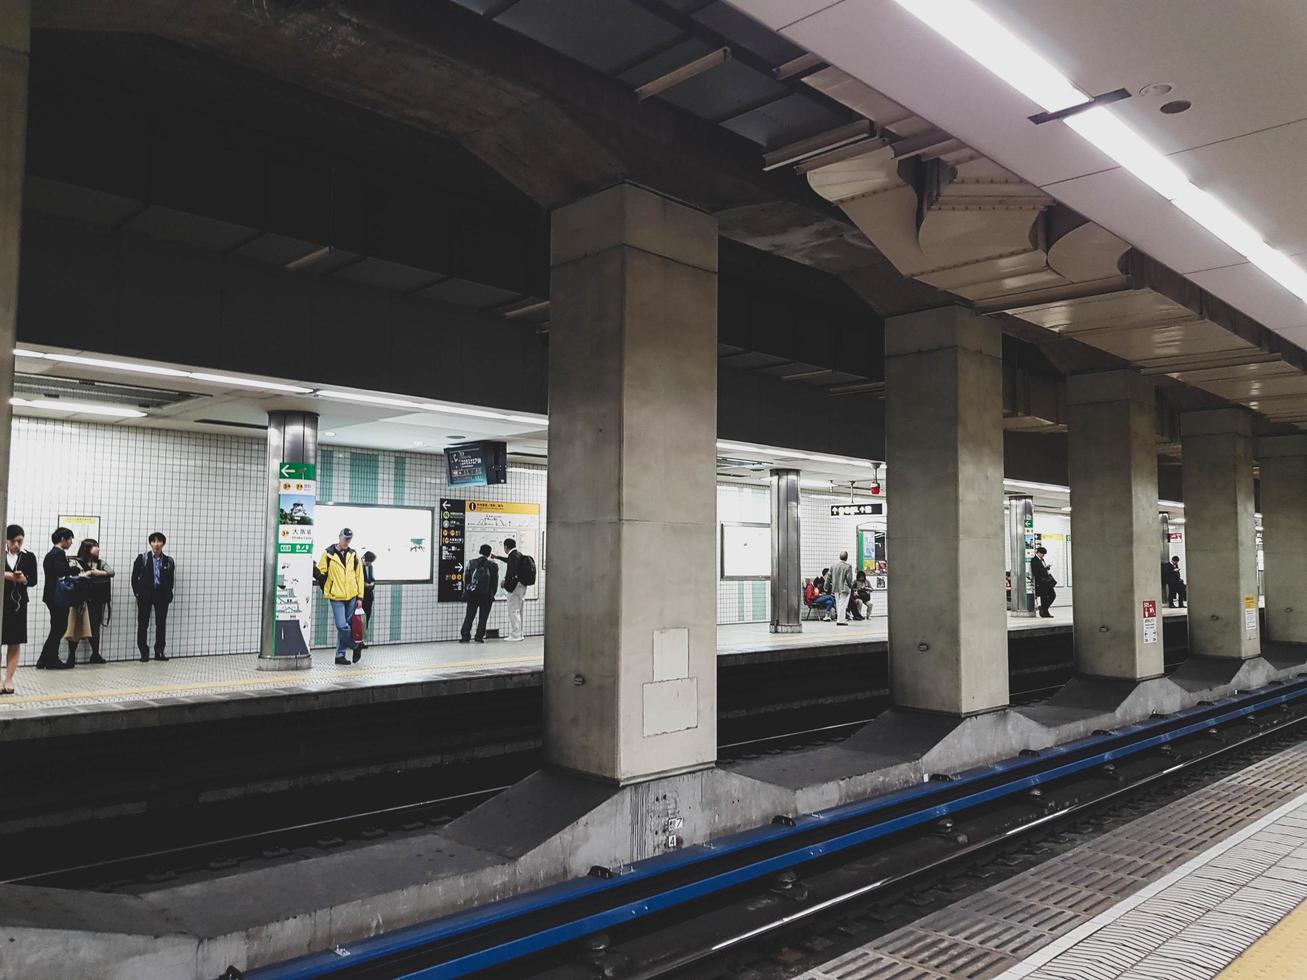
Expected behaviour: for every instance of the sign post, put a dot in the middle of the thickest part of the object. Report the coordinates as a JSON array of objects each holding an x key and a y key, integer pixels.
[{"x": 297, "y": 496}]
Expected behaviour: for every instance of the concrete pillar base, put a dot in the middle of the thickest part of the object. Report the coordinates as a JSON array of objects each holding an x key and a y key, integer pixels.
[{"x": 284, "y": 663}]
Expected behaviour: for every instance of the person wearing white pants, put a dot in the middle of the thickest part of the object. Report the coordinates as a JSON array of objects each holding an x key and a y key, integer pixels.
[
  {"x": 515, "y": 588},
  {"x": 515, "y": 600}
]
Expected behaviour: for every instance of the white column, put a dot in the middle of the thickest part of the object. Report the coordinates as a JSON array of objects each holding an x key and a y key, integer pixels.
[
  {"x": 630, "y": 616},
  {"x": 944, "y": 446}
]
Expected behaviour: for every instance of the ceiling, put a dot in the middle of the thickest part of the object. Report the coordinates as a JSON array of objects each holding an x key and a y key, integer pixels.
[{"x": 1242, "y": 140}]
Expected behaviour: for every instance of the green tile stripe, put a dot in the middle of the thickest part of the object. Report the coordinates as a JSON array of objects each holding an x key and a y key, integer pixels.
[
  {"x": 739, "y": 602},
  {"x": 322, "y": 628},
  {"x": 395, "y": 632},
  {"x": 400, "y": 481},
  {"x": 759, "y": 602},
  {"x": 364, "y": 484}
]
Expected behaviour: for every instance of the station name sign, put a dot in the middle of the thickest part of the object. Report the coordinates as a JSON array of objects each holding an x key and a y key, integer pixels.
[{"x": 856, "y": 510}]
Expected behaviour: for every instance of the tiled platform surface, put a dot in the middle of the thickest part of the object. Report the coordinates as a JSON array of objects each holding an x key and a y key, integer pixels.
[
  {"x": 1180, "y": 894},
  {"x": 198, "y": 687}
]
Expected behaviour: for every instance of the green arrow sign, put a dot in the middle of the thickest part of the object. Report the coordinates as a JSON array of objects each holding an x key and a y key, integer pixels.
[{"x": 298, "y": 471}]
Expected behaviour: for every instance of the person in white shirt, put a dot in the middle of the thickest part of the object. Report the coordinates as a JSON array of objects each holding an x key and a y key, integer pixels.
[{"x": 841, "y": 587}]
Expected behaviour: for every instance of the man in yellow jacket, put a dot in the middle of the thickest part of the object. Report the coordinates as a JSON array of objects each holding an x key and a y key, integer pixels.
[{"x": 341, "y": 574}]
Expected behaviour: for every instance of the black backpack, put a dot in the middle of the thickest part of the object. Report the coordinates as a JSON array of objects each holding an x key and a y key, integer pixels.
[{"x": 526, "y": 570}]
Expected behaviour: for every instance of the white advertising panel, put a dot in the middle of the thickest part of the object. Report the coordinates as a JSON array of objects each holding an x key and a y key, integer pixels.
[{"x": 401, "y": 537}]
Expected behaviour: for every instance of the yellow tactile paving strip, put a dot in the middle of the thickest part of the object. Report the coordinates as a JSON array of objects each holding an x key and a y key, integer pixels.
[{"x": 1280, "y": 954}]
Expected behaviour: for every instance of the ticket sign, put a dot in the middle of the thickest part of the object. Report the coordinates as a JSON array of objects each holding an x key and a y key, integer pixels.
[
  {"x": 1250, "y": 613},
  {"x": 1150, "y": 620},
  {"x": 297, "y": 495}
]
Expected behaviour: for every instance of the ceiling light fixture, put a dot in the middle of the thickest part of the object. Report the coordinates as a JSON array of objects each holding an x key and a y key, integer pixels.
[
  {"x": 77, "y": 408},
  {"x": 227, "y": 379},
  {"x": 979, "y": 35},
  {"x": 328, "y": 433},
  {"x": 349, "y": 396}
]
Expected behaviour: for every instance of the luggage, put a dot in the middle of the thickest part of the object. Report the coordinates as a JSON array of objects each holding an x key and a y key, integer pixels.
[{"x": 357, "y": 625}]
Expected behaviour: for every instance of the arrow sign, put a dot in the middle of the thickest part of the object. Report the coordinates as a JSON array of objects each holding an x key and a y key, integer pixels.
[{"x": 298, "y": 471}]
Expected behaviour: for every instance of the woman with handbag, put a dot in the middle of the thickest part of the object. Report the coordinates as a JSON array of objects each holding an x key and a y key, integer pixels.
[
  {"x": 85, "y": 620},
  {"x": 20, "y": 575}
]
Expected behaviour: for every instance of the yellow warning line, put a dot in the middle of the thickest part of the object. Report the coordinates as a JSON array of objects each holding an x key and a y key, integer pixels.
[
  {"x": 278, "y": 679},
  {"x": 1281, "y": 953}
]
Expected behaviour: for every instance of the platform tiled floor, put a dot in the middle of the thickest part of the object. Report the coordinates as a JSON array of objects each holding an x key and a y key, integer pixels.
[
  {"x": 183, "y": 677},
  {"x": 1180, "y": 894}
]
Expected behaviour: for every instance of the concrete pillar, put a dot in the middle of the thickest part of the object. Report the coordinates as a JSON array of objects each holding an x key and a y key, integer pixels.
[
  {"x": 630, "y": 614},
  {"x": 1283, "y": 463},
  {"x": 944, "y": 446},
  {"x": 786, "y": 574},
  {"x": 1220, "y": 540},
  {"x": 292, "y": 462},
  {"x": 1112, "y": 452},
  {"x": 15, "y": 33}
]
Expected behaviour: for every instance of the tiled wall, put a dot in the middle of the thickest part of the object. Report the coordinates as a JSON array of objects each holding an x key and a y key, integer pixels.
[
  {"x": 206, "y": 493},
  {"x": 410, "y": 613},
  {"x": 742, "y": 601}
]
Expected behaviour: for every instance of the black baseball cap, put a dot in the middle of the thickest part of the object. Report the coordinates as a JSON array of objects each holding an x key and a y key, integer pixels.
[{"x": 346, "y": 532}]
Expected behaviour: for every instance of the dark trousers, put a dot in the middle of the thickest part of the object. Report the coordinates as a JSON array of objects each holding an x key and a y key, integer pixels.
[
  {"x": 1177, "y": 590},
  {"x": 58, "y": 626},
  {"x": 94, "y": 609},
  {"x": 143, "y": 609},
  {"x": 1046, "y": 597},
  {"x": 477, "y": 606},
  {"x": 368, "y": 596}
]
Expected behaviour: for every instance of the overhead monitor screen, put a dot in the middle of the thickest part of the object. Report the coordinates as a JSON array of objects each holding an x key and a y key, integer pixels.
[
  {"x": 401, "y": 537},
  {"x": 476, "y": 464}
]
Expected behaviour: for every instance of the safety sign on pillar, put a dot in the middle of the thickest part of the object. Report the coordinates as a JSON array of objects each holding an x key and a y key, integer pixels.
[
  {"x": 297, "y": 496},
  {"x": 1150, "y": 620}
]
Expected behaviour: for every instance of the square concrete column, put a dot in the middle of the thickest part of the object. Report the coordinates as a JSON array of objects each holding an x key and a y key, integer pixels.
[
  {"x": 944, "y": 446},
  {"x": 630, "y": 615},
  {"x": 1283, "y": 463},
  {"x": 15, "y": 31},
  {"x": 1113, "y": 466},
  {"x": 1220, "y": 537}
]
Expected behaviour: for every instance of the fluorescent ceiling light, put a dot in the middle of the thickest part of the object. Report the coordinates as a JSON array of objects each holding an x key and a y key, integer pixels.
[
  {"x": 349, "y": 396},
  {"x": 983, "y": 38},
  {"x": 1170, "y": 503},
  {"x": 249, "y": 383},
  {"x": 739, "y": 447},
  {"x": 79, "y": 408},
  {"x": 19, "y": 352},
  {"x": 100, "y": 362}
]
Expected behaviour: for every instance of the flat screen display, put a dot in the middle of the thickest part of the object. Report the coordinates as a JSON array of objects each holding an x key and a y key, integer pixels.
[
  {"x": 401, "y": 537},
  {"x": 476, "y": 464}
]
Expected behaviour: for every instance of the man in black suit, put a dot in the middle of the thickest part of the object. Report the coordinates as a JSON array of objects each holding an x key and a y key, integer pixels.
[
  {"x": 55, "y": 566},
  {"x": 153, "y": 575},
  {"x": 480, "y": 583},
  {"x": 1045, "y": 584}
]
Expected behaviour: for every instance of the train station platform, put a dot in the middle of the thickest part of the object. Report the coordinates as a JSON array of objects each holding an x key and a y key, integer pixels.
[
  {"x": 195, "y": 688},
  {"x": 1212, "y": 885}
]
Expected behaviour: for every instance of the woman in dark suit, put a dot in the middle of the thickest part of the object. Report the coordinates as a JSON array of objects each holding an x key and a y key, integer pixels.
[{"x": 20, "y": 575}]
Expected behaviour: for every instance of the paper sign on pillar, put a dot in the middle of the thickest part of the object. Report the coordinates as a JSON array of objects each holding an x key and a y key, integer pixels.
[{"x": 297, "y": 495}]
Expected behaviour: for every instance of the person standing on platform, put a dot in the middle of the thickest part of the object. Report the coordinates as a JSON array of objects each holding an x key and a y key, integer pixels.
[
  {"x": 20, "y": 575},
  {"x": 1179, "y": 591},
  {"x": 369, "y": 587},
  {"x": 342, "y": 585},
  {"x": 840, "y": 585},
  {"x": 1045, "y": 584},
  {"x": 515, "y": 588},
  {"x": 55, "y": 566},
  {"x": 480, "y": 583},
  {"x": 153, "y": 577},
  {"x": 99, "y": 572}
]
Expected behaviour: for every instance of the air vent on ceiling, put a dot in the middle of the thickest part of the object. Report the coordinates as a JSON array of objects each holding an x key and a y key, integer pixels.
[
  {"x": 232, "y": 425},
  {"x": 34, "y": 386}
]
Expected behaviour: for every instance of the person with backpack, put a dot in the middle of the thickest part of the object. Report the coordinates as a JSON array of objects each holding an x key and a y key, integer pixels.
[
  {"x": 55, "y": 566},
  {"x": 154, "y": 576},
  {"x": 340, "y": 573},
  {"x": 480, "y": 583},
  {"x": 519, "y": 574}
]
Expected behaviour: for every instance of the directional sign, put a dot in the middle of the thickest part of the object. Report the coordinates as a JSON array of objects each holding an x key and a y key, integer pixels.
[
  {"x": 298, "y": 471},
  {"x": 856, "y": 510}
]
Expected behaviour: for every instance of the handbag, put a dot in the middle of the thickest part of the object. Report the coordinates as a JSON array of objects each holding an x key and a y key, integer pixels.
[{"x": 79, "y": 623}]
